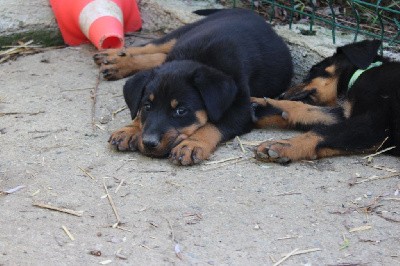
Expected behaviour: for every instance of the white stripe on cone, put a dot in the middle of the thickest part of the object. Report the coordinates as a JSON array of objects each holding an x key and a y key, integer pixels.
[{"x": 95, "y": 10}]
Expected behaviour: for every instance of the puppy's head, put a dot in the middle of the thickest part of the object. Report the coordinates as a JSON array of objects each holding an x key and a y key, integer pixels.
[
  {"x": 331, "y": 76},
  {"x": 174, "y": 100}
]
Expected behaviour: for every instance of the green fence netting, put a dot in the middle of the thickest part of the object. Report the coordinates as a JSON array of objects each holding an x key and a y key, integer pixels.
[{"x": 377, "y": 19}]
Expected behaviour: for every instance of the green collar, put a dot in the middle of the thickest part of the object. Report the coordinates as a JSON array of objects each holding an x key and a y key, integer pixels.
[{"x": 358, "y": 73}]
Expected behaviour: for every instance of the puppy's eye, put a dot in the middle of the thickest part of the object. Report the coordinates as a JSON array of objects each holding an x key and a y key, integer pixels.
[
  {"x": 147, "y": 106},
  {"x": 180, "y": 111}
]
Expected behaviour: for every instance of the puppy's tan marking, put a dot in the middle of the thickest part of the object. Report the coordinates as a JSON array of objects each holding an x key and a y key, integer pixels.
[
  {"x": 201, "y": 117},
  {"x": 174, "y": 103},
  {"x": 331, "y": 70},
  {"x": 272, "y": 121},
  {"x": 189, "y": 130},
  {"x": 301, "y": 113},
  {"x": 326, "y": 88},
  {"x": 347, "y": 109},
  {"x": 152, "y": 48}
]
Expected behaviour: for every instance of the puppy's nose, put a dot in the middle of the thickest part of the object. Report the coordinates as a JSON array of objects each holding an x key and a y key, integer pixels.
[{"x": 150, "y": 141}]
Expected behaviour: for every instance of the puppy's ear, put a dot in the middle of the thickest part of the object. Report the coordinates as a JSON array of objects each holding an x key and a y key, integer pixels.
[
  {"x": 361, "y": 54},
  {"x": 217, "y": 90},
  {"x": 134, "y": 89}
]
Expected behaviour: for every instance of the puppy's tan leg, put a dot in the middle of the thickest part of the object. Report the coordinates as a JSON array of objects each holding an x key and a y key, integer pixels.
[
  {"x": 120, "y": 63},
  {"x": 302, "y": 147},
  {"x": 294, "y": 113},
  {"x": 198, "y": 147}
]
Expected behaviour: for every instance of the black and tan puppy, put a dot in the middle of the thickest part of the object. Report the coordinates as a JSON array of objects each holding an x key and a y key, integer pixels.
[
  {"x": 193, "y": 86},
  {"x": 350, "y": 101}
]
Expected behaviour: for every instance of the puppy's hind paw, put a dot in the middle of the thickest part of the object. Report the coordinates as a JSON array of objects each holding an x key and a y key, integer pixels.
[{"x": 271, "y": 151}]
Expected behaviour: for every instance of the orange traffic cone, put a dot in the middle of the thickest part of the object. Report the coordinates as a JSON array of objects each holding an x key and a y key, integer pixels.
[{"x": 103, "y": 22}]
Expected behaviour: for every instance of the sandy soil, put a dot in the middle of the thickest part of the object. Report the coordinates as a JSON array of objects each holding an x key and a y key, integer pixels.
[{"x": 237, "y": 212}]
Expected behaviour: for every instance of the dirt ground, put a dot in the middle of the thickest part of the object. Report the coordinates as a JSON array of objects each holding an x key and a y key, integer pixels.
[{"x": 232, "y": 212}]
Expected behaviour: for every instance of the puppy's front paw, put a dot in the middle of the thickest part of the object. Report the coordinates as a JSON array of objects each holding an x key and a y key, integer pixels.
[
  {"x": 190, "y": 152},
  {"x": 125, "y": 139}
]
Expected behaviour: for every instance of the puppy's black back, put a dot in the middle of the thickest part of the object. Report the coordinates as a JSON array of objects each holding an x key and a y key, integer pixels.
[{"x": 242, "y": 45}]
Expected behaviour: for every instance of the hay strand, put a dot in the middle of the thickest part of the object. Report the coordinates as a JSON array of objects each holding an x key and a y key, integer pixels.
[{"x": 54, "y": 208}]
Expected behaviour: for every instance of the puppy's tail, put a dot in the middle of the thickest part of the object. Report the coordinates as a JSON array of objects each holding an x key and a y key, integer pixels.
[{"x": 206, "y": 12}]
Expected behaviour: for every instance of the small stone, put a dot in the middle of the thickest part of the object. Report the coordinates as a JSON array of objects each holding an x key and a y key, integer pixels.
[{"x": 105, "y": 119}]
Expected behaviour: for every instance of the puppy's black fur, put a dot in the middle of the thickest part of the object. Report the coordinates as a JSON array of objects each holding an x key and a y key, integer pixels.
[
  {"x": 343, "y": 118},
  {"x": 199, "y": 94}
]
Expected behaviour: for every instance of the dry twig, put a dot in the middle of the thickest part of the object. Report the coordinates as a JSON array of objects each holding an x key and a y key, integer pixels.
[
  {"x": 94, "y": 97},
  {"x": 105, "y": 262},
  {"x": 393, "y": 199},
  {"x": 23, "y": 49},
  {"x": 68, "y": 232},
  {"x": 119, "y": 255},
  {"x": 369, "y": 157},
  {"x": 240, "y": 144},
  {"x": 305, "y": 251},
  {"x": 373, "y": 178},
  {"x": 21, "y": 113},
  {"x": 119, "y": 186},
  {"x": 287, "y": 237},
  {"x": 113, "y": 114},
  {"x": 172, "y": 230},
  {"x": 380, "y": 146},
  {"x": 360, "y": 228},
  {"x": 54, "y": 208},
  {"x": 233, "y": 161},
  {"x": 272, "y": 258},
  {"x": 223, "y": 160},
  {"x": 178, "y": 252},
  {"x": 387, "y": 218},
  {"x": 87, "y": 173},
  {"x": 286, "y": 257},
  {"x": 12, "y": 190},
  {"x": 292, "y": 192},
  {"x": 112, "y": 205},
  {"x": 384, "y": 168},
  {"x": 251, "y": 143},
  {"x": 123, "y": 229}
]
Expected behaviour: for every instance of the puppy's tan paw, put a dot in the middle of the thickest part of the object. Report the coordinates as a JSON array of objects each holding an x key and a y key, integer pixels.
[{"x": 125, "y": 139}]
